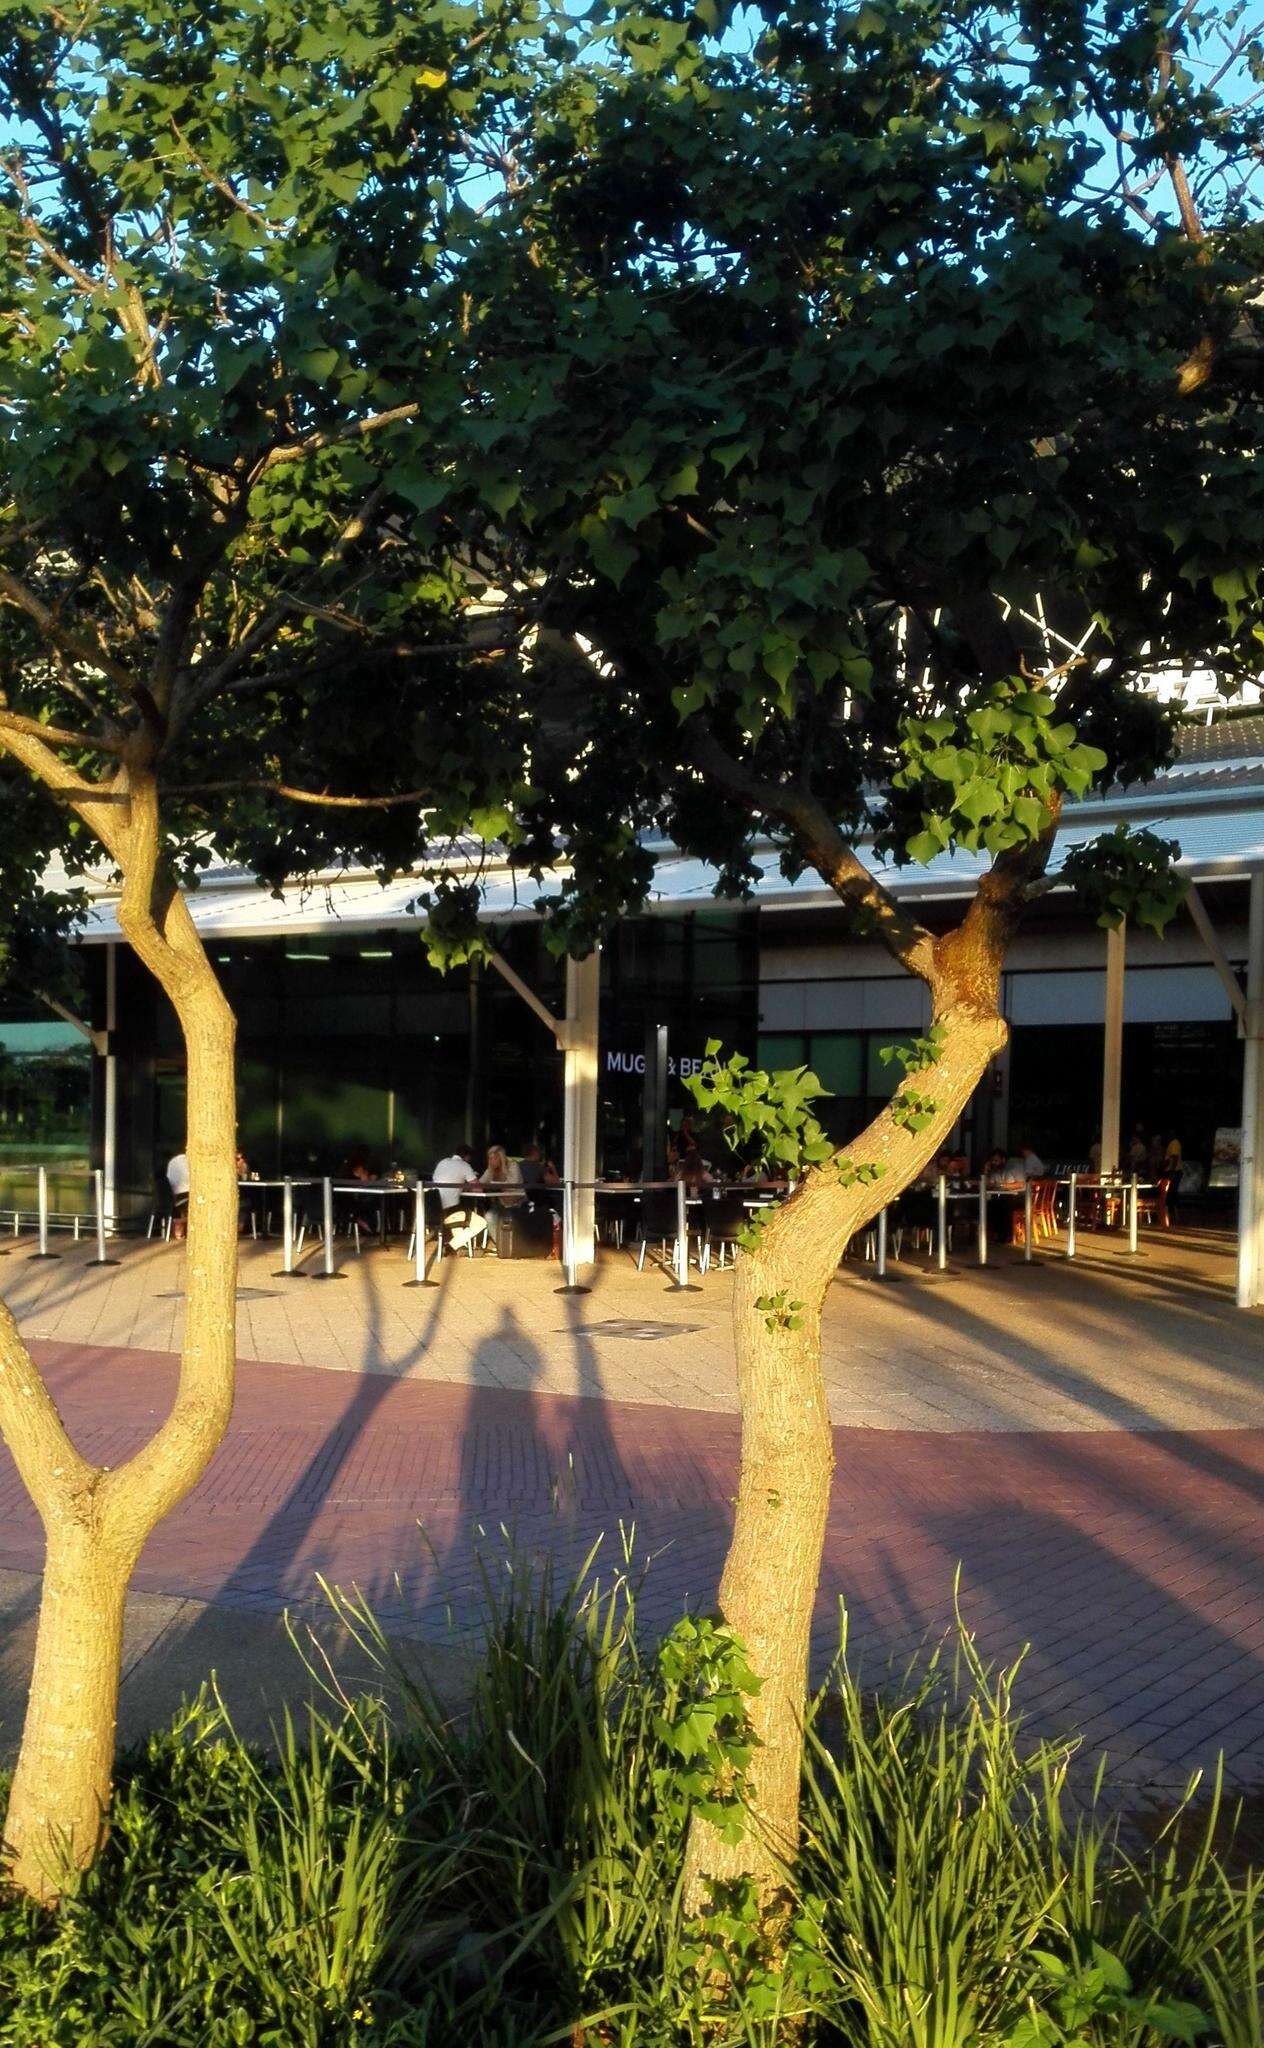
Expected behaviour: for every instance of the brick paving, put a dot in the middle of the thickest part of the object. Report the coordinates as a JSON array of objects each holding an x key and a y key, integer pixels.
[{"x": 1132, "y": 1560}]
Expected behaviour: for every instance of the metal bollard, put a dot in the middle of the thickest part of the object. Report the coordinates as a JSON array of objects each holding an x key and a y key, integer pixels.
[
  {"x": 327, "y": 1271},
  {"x": 1027, "y": 1222},
  {"x": 983, "y": 1241},
  {"x": 420, "y": 1276},
  {"x": 682, "y": 1283},
  {"x": 1132, "y": 1215},
  {"x": 941, "y": 1234},
  {"x": 1070, "y": 1250},
  {"x": 288, "y": 1270},
  {"x": 43, "y": 1252},
  {"x": 98, "y": 1192},
  {"x": 570, "y": 1267}
]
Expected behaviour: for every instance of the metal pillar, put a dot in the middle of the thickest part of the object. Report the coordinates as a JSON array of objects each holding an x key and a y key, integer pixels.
[
  {"x": 109, "y": 1137},
  {"x": 654, "y": 1105},
  {"x": 328, "y": 1270},
  {"x": 288, "y": 1269},
  {"x": 1113, "y": 1059},
  {"x": 98, "y": 1203},
  {"x": 682, "y": 1284},
  {"x": 579, "y": 1107},
  {"x": 571, "y": 1283},
  {"x": 43, "y": 1252},
  {"x": 1251, "y": 1168}
]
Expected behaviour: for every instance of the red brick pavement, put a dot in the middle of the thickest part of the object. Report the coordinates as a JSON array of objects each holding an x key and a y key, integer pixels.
[{"x": 1132, "y": 1563}]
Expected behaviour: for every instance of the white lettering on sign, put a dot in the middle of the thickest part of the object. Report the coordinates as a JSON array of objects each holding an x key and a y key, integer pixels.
[{"x": 634, "y": 1063}]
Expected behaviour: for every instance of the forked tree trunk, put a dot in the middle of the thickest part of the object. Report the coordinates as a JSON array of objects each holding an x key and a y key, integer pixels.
[
  {"x": 96, "y": 1520},
  {"x": 771, "y": 1574}
]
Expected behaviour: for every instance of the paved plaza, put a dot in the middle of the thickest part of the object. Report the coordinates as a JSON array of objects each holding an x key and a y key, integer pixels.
[{"x": 1086, "y": 1441}]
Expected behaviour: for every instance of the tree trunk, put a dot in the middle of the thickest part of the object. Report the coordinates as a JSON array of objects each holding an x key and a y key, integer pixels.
[
  {"x": 769, "y": 1585},
  {"x": 97, "y": 1521},
  {"x": 61, "y": 1787}
]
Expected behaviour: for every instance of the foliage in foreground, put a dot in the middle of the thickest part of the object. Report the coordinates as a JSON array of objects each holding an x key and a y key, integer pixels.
[{"x": 511, "y": 1878}]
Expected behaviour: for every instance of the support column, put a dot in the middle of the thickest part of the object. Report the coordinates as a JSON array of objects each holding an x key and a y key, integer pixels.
[
  {"x": 1251, "y": 1170},
  {"x": 1113, "y": 1060},
  {"x": 654, "y": 1105},
  {"x": 579, "y": 1110},
  {"x": 109, "y": 1135}
]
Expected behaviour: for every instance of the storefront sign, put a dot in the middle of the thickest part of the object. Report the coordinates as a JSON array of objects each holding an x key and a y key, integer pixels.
[{"x": 634, "y": 1063}]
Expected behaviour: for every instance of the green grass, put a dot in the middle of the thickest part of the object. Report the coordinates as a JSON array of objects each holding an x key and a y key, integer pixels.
[{"x": 511, "y": 1878}]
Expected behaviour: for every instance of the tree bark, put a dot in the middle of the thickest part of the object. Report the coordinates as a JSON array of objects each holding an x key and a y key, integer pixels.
[
  {"x": 97, "y": 1521},
  {"x": 61, "y": 1787},
  {"x": 769, "y": 1585}
]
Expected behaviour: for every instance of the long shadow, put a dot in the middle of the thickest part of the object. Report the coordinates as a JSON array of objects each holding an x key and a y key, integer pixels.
[{"x": 280, "y": 1565}]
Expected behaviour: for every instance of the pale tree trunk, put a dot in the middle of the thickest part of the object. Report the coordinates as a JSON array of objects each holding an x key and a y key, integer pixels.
[
  {"x": 96, "y": 1520},
  {"x": 771, "y": 1574}
]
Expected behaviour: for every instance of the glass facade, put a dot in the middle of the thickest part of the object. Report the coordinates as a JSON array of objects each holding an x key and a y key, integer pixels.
[
  {"x": 353, "y": 1046},
  {"x": 849, "y": 1064},
  {"x": 45, "y": 1109}
]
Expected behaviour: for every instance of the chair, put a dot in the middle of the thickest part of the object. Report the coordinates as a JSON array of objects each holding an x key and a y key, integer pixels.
[
  {"x": 724, "y": 1219},
  {"x": 1152, "y": 1203},
  {"x": 163, "y": 1214},
  {"x": 656, "y": 1224}
]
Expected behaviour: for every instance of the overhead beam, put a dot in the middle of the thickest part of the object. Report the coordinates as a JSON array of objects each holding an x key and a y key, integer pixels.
[
  {"x": 1216, "y": 953},
  {"x": 96, "y": 1039},
  {"x": 551, "y": 1023}
]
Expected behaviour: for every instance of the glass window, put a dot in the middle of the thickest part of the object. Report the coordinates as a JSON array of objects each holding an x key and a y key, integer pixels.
[
  {"x": 837, "y": 1058},
  {"x": 780, "y": 1049},
  {"x": 884, "y": 1076}
]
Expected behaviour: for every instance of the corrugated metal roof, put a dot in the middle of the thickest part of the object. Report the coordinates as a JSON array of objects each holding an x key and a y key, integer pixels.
[
  {"x": 1225, "y": 739},
  {"x": 1218, "y": 840}
]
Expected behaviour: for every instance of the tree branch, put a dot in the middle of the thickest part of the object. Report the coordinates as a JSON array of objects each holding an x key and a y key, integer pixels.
[
  {"x": 90, "y": 651},
  {"x": 56, "y": 735},
  {"x": 323, "y": 798},
  {"x": 825, "y": 846}
]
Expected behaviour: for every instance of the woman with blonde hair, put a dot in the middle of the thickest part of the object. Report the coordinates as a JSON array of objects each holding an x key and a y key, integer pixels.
[{"x": 502, "y": 1172}]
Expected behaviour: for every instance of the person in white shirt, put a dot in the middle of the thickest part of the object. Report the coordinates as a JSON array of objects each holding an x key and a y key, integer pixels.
[
  {"x": 178, "y": 1182},
  {"x": 452, "y": 1174},
  {"x": 1023, "y": 1163}
]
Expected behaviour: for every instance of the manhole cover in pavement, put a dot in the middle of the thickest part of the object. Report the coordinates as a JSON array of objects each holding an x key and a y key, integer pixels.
[
  {"x": 243, "y": 1294},
  {"x": 628, "y": 1326}
]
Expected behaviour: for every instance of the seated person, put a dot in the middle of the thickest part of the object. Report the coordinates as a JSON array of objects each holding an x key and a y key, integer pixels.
[
  {"x": 536, "y": 1171},
  {"x": 178, "y": 1182},
  {"x": 996, "y": 1168},
  {"x": 502, "y": 1172},
  {"x": 453, "y": 1173}
]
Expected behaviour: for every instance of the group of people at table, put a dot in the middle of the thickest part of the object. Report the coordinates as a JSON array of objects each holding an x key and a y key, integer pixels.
[{"x": 470, "y": 1196}]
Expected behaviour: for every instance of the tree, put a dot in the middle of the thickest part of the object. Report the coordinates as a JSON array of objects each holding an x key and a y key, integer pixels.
[
  {"x": 222, "y": 236},
  {"x": 820, "y": 382}
]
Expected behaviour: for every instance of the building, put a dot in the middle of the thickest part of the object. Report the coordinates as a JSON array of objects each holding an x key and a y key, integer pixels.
[{"x": 350, "y": 1042}]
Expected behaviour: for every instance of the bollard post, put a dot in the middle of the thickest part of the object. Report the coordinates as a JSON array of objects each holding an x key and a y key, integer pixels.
[
  {"x": 983, "y": 1195},
  {"x": 420, "y": 1276},
  {"x": 43, "y": 1252},
  {"x": 1132, "y": 1215},
  {"x": 1070, "y": 1250},
  {"x": 288, "y": 1270},
  {"x": 570, "y": 1269},
  {"x": 682, "y": 1283},
  {"x": 1027, "y": 1222},
  {"x": 98, "y": 1197},
  {"x": 327, "y": 1271},
  {"x": 881, "y": 1269},
  {"x": 941, "y": 1234}
]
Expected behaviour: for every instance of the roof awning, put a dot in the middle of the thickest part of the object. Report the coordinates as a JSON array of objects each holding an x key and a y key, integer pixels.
[{"x": 1218, "y": 843}]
